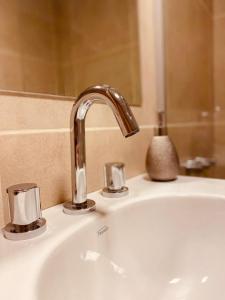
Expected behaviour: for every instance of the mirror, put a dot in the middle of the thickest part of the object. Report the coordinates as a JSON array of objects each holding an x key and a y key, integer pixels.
[
  {"x": 195, "y": 86},
  {"x": 61, "y": 47}
]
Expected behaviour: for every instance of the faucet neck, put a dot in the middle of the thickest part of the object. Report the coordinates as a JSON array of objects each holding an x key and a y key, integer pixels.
[{"x": 125, "y": 119}]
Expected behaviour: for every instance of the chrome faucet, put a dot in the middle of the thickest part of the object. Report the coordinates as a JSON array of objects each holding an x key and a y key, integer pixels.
[{"x": 127, "y": 124}]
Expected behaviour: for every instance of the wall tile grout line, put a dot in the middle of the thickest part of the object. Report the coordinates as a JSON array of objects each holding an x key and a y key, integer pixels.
[
  {"x": 32, "y": 131},
  {"x": 190, "y": 124},
  {"x": 62, "y": 130},
  {"x": 93, "y": 129}
]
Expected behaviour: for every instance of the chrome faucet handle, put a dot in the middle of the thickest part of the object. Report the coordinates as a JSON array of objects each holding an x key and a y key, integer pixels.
[
  {"x": 25, "y": 212},
  {"x": 24, "y": 203},
  {"x": 114, "y": 180}
]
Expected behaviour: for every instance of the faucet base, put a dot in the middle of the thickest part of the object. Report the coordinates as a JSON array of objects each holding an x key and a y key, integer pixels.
[{"x": 86, "y": 207}]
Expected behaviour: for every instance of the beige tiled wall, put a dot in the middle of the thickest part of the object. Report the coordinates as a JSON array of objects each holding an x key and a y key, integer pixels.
[
  {"x": 189, "y": 53},
  {"x": 219, "y": 56},
  {"x": 218, "y": 8},
  {"x": 61, "y": 47},
  {"x": 208, "y": 4},
  {"x": 100, "y": 43},
  {"x": 28, "y": 52},
  {"x": 196, "y": 72},
  {"x": 34, "y": 135},
  {"x": 219, "y": 86}
]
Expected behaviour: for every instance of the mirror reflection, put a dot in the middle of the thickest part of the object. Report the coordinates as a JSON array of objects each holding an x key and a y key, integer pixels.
[
  {"x": 195, "y": 72},
  {"x": 61, "y": 47}
]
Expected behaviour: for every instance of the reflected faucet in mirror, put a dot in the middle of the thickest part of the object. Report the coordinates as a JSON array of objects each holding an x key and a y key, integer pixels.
[{"x": 126, "y": 121}]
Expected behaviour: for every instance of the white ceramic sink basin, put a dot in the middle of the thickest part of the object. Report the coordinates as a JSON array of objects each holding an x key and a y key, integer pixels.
[{"x": 165, "y": 241}]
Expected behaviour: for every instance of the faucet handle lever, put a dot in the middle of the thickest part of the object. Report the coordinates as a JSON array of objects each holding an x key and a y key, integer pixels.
[
  {"x": 114, "y": 175},
  {"x": 25, "y": 212},
  {"x": 24, "y": 203},
  {"x": 114, "y": 180}
]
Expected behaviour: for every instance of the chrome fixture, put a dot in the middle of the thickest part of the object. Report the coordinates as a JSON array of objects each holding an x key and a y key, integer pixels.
[
  {"x": 114, "y": 180},
  {"x": 198, "y": 163},
  {"x": 192, "y": 164},
  {"x": 25, "y": 212},
  {"x": 206, "y": 162},
  {"x": 127, "y": 124}
]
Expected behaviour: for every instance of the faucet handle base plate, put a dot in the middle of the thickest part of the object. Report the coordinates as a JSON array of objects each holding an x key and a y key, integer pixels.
[
  {"x": 21, "y": 232},
  {"x": 108, "y": 193},
  {"x": 86, "y": 207}
]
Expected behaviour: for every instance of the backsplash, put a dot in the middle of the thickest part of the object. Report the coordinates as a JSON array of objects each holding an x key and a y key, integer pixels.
[{"x": 35, "y": 145}]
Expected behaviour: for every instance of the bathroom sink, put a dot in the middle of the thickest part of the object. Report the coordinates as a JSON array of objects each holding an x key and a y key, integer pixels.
[{"x": 164, "y": 241}]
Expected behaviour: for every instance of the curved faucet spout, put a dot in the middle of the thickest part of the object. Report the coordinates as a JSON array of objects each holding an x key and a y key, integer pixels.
[{"x": 124, "y": 117}]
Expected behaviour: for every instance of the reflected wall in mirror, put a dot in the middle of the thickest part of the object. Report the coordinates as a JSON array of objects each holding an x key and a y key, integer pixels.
[
  {"x": 61, "y": 47},
  {"x": 195, "y": 74}
]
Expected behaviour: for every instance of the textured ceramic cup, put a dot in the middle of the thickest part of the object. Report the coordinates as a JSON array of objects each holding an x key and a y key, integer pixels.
[{"x": 162, "y": 162}]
